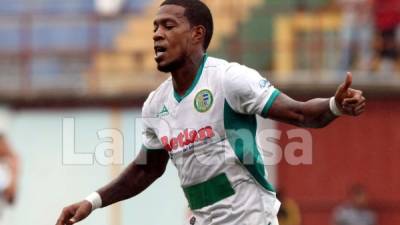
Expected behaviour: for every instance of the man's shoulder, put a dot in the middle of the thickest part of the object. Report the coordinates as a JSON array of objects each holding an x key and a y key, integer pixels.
[
  {"x": 158, "y": 95},
  {"x": 221, "y": 69},
  {"x": 228, "y": 67},
  {"x": 215, "y": 62},
  {"x": 219, "y": 63}
]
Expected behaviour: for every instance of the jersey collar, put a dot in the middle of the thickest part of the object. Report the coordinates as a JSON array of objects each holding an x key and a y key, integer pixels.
[{"x": 178, "y": 97}]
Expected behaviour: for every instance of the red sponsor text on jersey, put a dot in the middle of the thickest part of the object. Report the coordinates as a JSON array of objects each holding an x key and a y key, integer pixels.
[{"x": 186, "y": 138}]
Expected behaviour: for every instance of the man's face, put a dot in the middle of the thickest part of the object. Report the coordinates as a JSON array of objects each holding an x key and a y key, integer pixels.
[{"x": 172, "y": 38}]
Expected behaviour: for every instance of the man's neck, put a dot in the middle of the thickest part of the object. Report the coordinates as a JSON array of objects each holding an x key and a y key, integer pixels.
[{"x": 184, "y": 77}]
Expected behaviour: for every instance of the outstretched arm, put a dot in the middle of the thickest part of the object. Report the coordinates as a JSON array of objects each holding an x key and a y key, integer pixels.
[
  {"x": 136, "y": 177},
  {"x": 317, "y": 113},
  {"x": 140, "y": 174}
]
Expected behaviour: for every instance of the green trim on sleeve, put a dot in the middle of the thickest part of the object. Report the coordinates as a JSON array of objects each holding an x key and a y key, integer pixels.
[
  {"x": 270, "y": 102},
  {"x": 178, "y": 97}
]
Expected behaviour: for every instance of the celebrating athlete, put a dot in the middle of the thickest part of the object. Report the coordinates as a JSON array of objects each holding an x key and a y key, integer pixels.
[{"x": 203, "y": 119}]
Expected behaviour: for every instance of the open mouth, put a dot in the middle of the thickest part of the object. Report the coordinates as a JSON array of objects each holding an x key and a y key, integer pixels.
[{"x": 159, "y": 51}]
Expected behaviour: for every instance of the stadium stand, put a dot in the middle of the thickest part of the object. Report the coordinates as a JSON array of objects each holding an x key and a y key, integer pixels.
[
  {"x": 48, "y": 45},
  {"x": 260, "y": 37},
  {"x": 65, "y": 47},
  {"x": 68, "y": 48},
  {"x": 130, "y": 66}
]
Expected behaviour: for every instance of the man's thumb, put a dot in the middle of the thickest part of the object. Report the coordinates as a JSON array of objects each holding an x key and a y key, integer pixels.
[{"x": 347, "y": 83}]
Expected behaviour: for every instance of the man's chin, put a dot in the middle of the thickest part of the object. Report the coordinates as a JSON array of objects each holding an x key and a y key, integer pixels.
[
  {"x": 170, "y": 67},
  {"x": 163, "y": 68}
]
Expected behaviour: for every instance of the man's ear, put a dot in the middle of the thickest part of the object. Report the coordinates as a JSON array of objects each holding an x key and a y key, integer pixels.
[{"x": 198, "y": 34}]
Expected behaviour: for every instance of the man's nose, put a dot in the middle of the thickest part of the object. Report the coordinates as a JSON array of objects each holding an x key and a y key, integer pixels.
[{"x": 158, "y": 35}]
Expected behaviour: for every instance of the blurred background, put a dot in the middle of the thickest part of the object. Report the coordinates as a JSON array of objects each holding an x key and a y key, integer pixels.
[{"x": 92, "y": 60}]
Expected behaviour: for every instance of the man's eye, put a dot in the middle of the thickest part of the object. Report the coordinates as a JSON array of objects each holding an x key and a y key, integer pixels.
[{"x": 169, "y": 27}]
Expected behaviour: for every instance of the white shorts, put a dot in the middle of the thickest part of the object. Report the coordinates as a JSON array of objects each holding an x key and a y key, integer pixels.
[{"x": 250, "y": 205}]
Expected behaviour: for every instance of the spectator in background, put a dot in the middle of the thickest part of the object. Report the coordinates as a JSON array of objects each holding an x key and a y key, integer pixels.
[
  {"x": 387, "y": 20},
  {"x": 8, "y": 164},
  {"x": 356, "y": 33},
  {"x": 289, "y": 213},
  {"x": 355, "y": 211}
]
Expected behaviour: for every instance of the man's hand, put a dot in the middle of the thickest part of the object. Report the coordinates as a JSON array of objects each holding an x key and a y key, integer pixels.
[
  {"x": 10, "y": 193},
  {"x": 133, "y": 180},
  {"x": 348, "y": 100},
  {"x": 74, "y": 213}
]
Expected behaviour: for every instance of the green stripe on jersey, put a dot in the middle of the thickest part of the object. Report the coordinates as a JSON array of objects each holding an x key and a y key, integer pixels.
[
  {"x": 208, "y": 192},
  {"x": 241, "y": 133}
]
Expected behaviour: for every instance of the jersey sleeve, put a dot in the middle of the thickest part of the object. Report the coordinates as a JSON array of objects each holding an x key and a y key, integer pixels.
[
  {"x": 149, "y": 135},
  {"x": 247, "y": 92}
]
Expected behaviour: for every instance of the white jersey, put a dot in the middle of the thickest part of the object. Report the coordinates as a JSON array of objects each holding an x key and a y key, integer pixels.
[{"x": 211, "y": 130}]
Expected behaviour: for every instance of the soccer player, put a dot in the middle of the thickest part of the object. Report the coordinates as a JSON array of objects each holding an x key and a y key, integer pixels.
[{"x": 203, "y": 119}]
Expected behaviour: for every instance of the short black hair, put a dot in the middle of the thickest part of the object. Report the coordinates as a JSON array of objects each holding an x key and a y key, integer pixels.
[{"x": 197, "y": 13}]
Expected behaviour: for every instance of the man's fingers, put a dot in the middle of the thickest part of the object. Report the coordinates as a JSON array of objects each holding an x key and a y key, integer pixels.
[
  {"x": 81, "y": 213},
  {"x": 72, "y": 221},
  {"x": 353, "y": 101},
  {"x": 359, "y": 111},
  {"x": 350, "y": 101},
  {"x": 360, "y": 107},
  {"x": 355, "y": 97},
  {"x": 354, "y": 110},
  {"x": 60, "y": 222},
  {"x": 74, "y": 213},
  {"x": 66, "y": 215}
]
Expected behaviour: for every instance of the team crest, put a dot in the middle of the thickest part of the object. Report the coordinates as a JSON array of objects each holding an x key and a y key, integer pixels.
[{"x": 203, "y": 101}]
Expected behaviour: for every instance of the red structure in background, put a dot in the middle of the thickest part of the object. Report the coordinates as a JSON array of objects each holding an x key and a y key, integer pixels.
[
  {"x": 387, "y": 14},
  {"x": 363, "y": 150}
]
